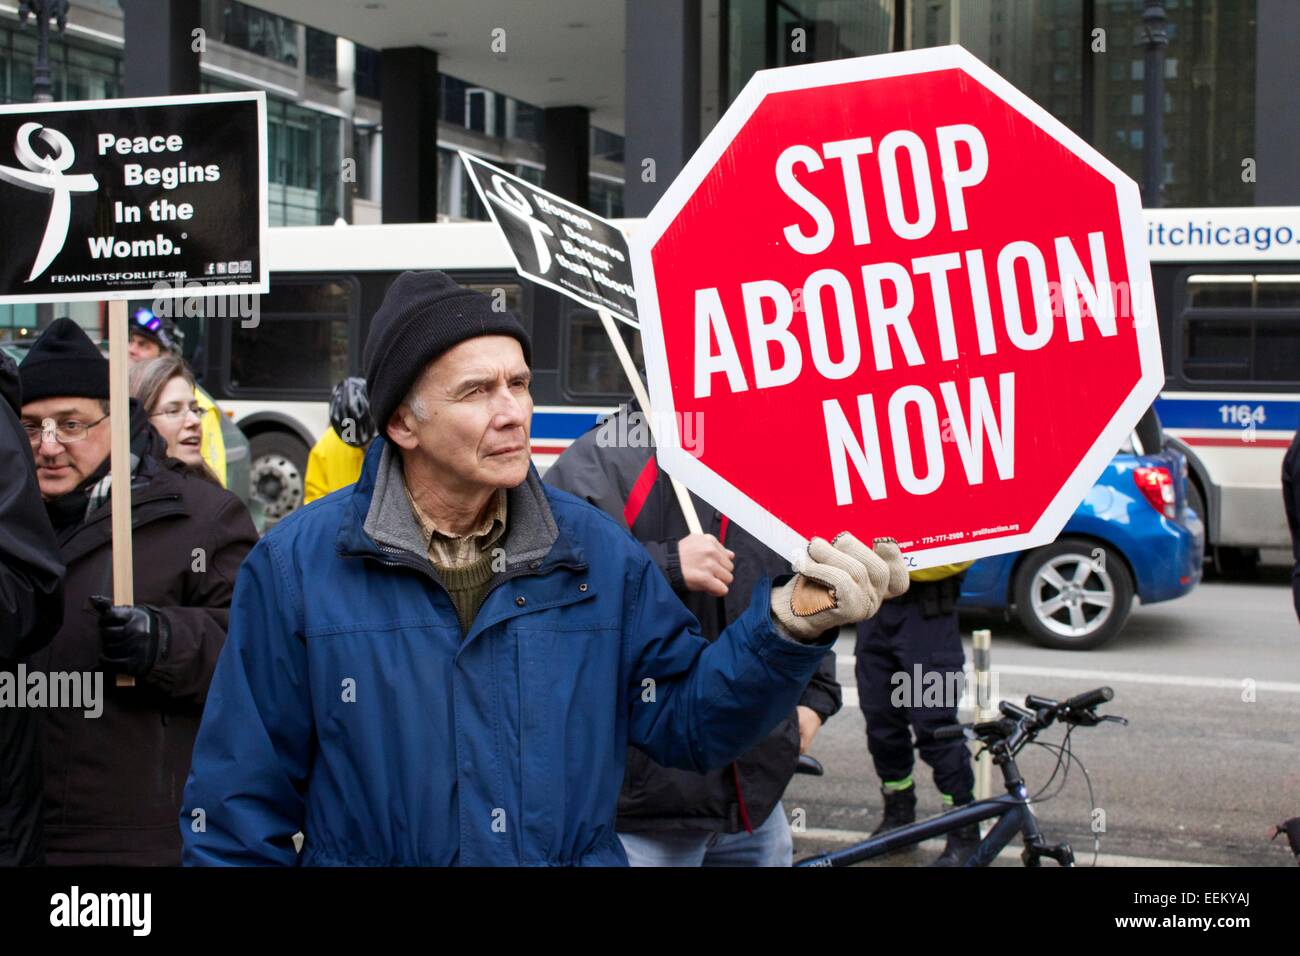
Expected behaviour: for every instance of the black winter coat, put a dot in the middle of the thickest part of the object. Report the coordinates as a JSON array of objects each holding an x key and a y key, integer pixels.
[
  {"x": 113, "y": 784},
  {"x": 31, "y": 609},
  {"x": 654, "y": 797}
]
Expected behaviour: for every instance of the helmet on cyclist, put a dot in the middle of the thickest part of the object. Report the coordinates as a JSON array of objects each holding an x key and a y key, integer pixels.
[
  {"x": 350, "y": 412},
  {"x": 159, "y": 328}
]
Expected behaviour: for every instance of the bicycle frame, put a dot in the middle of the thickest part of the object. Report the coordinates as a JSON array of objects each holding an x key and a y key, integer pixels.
[{"x": 1014, "y": 816}]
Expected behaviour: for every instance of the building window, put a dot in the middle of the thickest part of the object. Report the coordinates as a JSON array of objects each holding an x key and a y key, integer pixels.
[
  {"x": 304, "y": 162},
  {"x": 251, "y": 29},
  {"x": 76, "y": 72},
  {"x": 457, "y": 198},
  {"x": 17, "y": 322},
  {"x": 605, "y": 198},
  {"x": 365, "y": 72},
  {"x": 531, "y": 174},
  {"x": 1209, "y": 80},
  {"x": 322, "y": 55},
  {"x": 606, "y": 145},
  {"x": 363, "y": 148}
]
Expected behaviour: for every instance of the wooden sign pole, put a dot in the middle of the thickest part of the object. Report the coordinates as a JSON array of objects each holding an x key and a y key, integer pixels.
[
  {"x": 638, "y": 389},
  {"x": 120, "y": 461}
]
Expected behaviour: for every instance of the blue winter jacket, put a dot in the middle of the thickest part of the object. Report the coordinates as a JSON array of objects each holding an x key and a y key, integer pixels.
[{"x": 347, "y": 705}]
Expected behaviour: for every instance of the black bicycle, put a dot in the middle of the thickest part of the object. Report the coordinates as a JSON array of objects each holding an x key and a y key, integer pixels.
[{"x": 1004, "y": 738}]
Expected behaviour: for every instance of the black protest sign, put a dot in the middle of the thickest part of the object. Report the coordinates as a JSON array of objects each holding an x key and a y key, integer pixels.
[
  {"x": 102, "y": 199},
  {"x": 558, "y": 244}
]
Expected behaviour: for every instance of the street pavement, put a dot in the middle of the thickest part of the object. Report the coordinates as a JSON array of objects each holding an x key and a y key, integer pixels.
[{"x": 1211, "y": 758}]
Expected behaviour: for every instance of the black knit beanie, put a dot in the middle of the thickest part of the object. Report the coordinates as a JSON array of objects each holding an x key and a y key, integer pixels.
[
  {"x": 63, "y": 361},
  {"x": 423, "y": 315}
]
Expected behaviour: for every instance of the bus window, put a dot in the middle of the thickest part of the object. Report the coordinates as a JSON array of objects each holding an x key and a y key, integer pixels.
[
  {"x": 1217, "y": 349},
  {"x": 1278, "y": 292},
  {"x": 1277, "y": 350},
  {"x": 1242, "y": 327},
  {"x": 301, "y": 341},
  {"x": 591, "y": 368}
]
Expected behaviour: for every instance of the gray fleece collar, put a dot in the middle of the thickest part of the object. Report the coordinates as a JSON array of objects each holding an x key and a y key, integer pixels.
[{"x": 530, "y": 527}]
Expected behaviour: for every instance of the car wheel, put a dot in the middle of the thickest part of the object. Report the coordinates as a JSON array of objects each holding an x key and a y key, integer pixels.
[
  {"x": 277, "y": 476},
  {"x": 1073, "y": 594}
]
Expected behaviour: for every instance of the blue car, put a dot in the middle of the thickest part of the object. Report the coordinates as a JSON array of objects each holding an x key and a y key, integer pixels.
[{"x": 1135, "y": 534}]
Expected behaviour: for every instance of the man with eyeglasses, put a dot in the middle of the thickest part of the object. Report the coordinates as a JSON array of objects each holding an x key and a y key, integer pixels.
[{"x": 113, "y": 782}]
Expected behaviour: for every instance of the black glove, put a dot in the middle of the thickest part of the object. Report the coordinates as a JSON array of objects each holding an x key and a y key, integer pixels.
[{"x": 133, "y": 636}]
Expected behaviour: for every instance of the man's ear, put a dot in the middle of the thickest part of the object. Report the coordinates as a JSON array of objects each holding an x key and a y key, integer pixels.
[{"x": 401, "y": 427}]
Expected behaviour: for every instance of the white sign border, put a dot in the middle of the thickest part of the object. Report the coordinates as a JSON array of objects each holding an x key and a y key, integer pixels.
[
  {"x": 740, "y": 507},
  {"x": 260, "y": 287}
]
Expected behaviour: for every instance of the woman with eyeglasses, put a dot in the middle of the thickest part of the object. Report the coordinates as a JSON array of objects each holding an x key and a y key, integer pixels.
[{"x": 165, "y": 387}]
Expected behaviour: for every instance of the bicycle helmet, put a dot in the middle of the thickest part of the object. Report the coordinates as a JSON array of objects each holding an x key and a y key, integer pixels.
[
  {"x": 159, "y": 328},
  {"x": 350, "y": 412}
]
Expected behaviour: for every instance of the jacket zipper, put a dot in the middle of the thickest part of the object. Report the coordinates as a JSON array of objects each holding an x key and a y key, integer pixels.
[{"x": 425, "y": 569}]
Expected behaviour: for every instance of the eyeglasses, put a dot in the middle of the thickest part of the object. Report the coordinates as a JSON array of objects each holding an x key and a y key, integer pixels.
[
  {"x": 66, "y": 432},
  {"x": 173, "y": 412}
]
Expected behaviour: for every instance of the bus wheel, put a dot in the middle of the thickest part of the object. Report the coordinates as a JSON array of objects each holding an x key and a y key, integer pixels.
[
  {"x": 277, "y": 473},
  {"x": 1073, "y": 594}
]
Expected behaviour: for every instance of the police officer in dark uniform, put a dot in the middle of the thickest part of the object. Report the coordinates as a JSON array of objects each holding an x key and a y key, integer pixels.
[{"x": 909, "y": 662}]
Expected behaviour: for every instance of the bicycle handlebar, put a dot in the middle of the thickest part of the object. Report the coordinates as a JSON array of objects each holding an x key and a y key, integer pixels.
[
  {"x": 1019, "y": 724},
  {"x": 1090, "y": 699}
]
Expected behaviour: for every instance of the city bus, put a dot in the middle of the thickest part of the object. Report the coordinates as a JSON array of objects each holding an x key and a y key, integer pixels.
[{"x": 1227, "y": 286}]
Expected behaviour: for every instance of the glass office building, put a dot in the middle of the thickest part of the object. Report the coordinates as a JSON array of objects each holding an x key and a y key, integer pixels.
[
  {"x": 1083, "y": 60},
  {"x": 1080, "y": 59}
]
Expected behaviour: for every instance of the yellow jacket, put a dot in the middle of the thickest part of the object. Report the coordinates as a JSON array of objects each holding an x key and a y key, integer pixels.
[
  {"x": 333, "y": 464},
  {"x": 211, "y": 444},
  {"x": 939, "y": 572}
]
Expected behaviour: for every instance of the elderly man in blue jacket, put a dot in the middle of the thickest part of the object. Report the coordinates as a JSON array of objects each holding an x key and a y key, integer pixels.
[{"x": 445, "y": 663}]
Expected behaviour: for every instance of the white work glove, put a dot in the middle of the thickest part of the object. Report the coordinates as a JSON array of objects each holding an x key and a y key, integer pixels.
[{"x": 840, "y": 582}]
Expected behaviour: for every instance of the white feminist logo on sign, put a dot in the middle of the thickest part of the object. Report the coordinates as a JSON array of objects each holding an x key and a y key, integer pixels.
[
  {"x": 510, "y": 199},
  {"x": 45, "y": 174}
]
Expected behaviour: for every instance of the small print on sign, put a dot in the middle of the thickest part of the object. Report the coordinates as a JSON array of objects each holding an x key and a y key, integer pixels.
[{"x": 557, "y": 244}]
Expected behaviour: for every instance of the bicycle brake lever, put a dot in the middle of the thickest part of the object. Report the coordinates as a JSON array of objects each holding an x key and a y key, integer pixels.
[{"x": 1122, "y": 721}]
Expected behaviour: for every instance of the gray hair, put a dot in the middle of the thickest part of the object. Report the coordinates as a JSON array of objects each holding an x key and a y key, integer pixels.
[{"x": 414, "y": 400}]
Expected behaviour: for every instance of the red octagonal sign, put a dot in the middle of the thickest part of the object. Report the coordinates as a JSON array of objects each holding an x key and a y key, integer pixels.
[{"x": 893, "y": 295}]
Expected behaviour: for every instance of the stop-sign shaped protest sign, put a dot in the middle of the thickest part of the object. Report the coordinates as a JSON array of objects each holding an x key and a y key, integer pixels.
[{"x": 893, "y": 295}]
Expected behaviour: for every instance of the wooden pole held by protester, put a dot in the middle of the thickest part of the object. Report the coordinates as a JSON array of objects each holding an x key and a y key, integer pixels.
[
  {"x": 638, "y": 389},
  {"x": 120, "y": 459}
]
